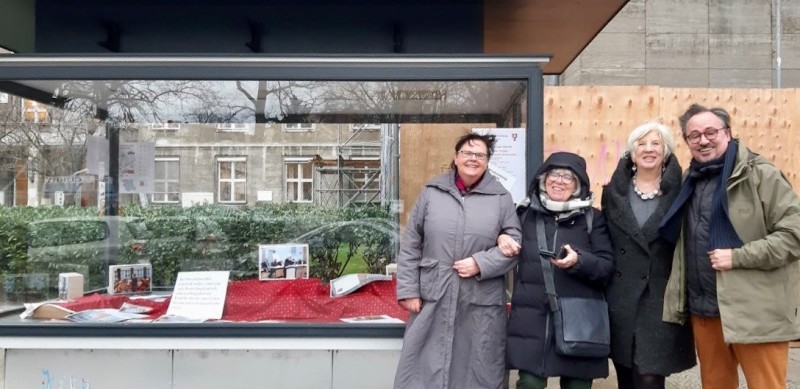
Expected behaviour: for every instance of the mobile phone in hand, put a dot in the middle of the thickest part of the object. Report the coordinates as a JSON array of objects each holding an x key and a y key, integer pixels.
[{"x": 562, "y": 253}]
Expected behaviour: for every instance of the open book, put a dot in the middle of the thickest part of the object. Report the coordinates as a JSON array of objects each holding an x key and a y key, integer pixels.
[
  {"x": 45, "y": 311},
  {"x": 345, "y": 285}
]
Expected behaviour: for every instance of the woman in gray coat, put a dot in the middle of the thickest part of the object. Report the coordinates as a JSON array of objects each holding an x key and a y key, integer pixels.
[
  {"x": 450, "y": 276},
  {"x": 647, "y": 180}
]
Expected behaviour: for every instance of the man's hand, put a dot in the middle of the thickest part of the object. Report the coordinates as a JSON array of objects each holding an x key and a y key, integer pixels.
[
  {"x": 413, "y": 305},
  {"x": 466, "y": 267},
  {"x": 721, "y": 259}
]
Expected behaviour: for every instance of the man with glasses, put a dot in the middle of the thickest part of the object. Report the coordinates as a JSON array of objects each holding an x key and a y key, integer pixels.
[{"x": 735, "y": 274}]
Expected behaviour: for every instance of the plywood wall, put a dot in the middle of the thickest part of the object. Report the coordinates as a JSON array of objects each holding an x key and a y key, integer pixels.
[
  {"x": 594, "y": 121},
  {"x": 426, "y": 151}
]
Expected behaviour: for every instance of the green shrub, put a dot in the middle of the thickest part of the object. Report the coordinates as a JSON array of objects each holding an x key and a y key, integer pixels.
[{"x": 209, "y": 237}]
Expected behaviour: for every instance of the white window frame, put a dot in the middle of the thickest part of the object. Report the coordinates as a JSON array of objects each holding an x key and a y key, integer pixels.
[
  {"x": 165, "y": 126},
  {"x": 300, "y": 180},
  {"x": 232, "y": 127},
  {"x": 162, "y": 183},
  {"x": 233, "y": 180},
  {"x": 299, "y": 127},
  {"x": 36, "y": 108},
  {"x": 365, "y": 127}
]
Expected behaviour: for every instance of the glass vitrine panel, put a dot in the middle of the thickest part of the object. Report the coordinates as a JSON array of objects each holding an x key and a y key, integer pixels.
[{"x": 196, "y": 174}]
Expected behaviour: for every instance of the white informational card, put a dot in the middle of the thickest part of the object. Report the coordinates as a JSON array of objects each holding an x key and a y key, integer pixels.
[
  {"x": 508, "y": 161},
  {"x": 199, "y": 295}
]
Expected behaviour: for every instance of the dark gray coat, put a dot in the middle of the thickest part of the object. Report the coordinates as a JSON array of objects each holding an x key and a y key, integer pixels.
[
  {"x": 458, "y": 339},
  {"x": 636, "y": 294}
]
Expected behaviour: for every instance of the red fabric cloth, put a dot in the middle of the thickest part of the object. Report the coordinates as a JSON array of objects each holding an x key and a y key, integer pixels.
[{"x": 304, "y": 300}]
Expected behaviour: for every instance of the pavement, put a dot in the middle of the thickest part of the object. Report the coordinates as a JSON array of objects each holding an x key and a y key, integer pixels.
[{"x": 689, "y": 379}]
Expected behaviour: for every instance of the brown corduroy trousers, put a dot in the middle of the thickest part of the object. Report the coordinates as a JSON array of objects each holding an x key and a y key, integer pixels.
[{"x": 764, "y": 364}]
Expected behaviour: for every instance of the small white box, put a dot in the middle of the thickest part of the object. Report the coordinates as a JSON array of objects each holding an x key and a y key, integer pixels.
[
  {"x": 391, "y": 269},
  {"x": 70, "y": 286}
]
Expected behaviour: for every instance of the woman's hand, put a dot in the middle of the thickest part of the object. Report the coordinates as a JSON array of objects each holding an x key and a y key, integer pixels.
[
  {"x": 570, "y": 260},
  {"x": 507, "y": 245},
  {"x": 466, "y": 267},
  {"x": 413, "y": 305}
]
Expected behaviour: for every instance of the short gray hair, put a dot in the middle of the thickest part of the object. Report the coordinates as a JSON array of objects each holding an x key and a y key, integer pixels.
[{"x": 663, "y": 132}]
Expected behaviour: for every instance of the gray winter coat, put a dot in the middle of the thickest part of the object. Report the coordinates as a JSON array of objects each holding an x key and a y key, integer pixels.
[
  {"x": 458, "y": 340},
  {"x": 636, "y": 294}
]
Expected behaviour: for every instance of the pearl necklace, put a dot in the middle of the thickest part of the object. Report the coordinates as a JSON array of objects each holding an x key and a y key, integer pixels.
[{"x": 647, "y": 196}]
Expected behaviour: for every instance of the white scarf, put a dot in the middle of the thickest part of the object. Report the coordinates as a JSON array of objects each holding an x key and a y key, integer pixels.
[{"x": 564, "y": 209}]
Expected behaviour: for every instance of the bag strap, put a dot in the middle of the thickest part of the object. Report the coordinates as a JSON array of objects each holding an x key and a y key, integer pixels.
[
  {"x": 589, "y": 219},
  {"x": 547, "y": 267}
]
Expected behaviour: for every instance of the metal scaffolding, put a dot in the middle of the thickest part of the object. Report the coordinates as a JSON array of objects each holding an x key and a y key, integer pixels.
[{"x": 359, "y": 173}]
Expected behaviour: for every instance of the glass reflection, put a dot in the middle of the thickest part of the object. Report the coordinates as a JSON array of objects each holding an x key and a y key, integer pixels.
[{"x": 208, "y": 170}]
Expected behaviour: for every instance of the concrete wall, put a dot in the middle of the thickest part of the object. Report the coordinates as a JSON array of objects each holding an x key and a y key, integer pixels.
[{"x": 693, "y": 43}]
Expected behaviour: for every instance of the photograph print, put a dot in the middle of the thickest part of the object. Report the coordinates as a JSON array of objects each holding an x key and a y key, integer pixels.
[{"x": 282, "y": 261}]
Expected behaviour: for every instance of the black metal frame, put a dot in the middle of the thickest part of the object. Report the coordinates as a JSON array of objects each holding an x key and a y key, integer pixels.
[{"x": 323, "y": 68}]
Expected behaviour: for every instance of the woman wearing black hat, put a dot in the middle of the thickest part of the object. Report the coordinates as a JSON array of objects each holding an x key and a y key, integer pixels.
[{"x": 560, "y": 200}]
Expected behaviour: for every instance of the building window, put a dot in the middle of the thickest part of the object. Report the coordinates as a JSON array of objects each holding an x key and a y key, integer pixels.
[
  {"x": 33, "y": 112},
  {"x": 167, "y": 180},
  {"x": 289, "y": 127},
  {"x": 168, "y": 126},
  {"x": 232, "y": 127},
  {"x": 3, "y": 98},
  {"x": 232, "y": 180},
  {"x": 299, "y": 181},
  {"x": 365, "y": 127}
]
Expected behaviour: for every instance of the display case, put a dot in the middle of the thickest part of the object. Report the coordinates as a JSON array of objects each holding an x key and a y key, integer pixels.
[{"x": 191, "y": 164}]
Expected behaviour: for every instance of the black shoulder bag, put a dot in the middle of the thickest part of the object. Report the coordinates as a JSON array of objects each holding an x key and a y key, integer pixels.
[{"x": 581, "y": 324}]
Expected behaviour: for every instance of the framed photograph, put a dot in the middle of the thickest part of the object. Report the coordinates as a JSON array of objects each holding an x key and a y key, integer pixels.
[
  {"x": 282, "y": 261},
  {"x": 130, "y": 279}
]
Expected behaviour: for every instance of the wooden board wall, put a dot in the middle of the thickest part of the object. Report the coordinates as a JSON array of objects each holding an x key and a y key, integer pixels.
[
  {"x": 594, "y": 121},
  {"x": 426, "y": 151}
]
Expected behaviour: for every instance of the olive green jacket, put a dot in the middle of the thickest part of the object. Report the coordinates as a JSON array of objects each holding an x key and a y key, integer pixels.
[{"x": 759, "y": 298}]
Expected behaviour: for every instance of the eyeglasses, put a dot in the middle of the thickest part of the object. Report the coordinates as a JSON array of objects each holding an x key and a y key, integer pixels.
[
  {"x": 710, "y": 133},
  {"x": 471, "y": 155},
  {"x": 566, "y": 178}
]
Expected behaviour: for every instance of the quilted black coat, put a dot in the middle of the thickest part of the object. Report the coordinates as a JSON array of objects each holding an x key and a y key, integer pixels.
[{"x": 530, "y": 345}]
